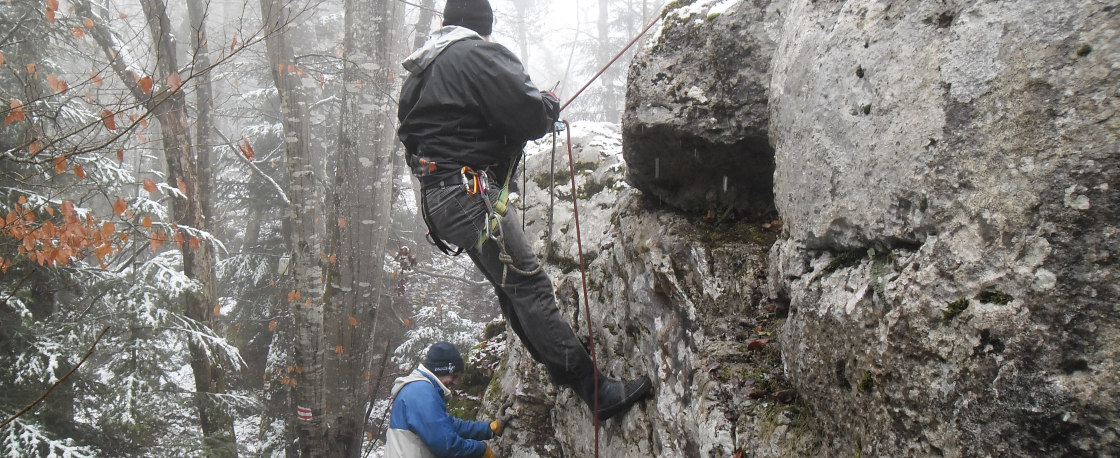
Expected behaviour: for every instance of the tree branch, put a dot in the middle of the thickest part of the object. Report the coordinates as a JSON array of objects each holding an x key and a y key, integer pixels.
[
  {"x": 237, "y": 152},
  {"x": 59, "y": 382},
  {"x": 451, "y": 277}
]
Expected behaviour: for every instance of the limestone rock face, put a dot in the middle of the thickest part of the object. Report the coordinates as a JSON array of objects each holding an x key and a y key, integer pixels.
[
  {"x": 948, "y": 176},
  {"x": 695, "y": 125},
  {"x": 675, "y": 300},
  {"x": 945, "y": 283}
]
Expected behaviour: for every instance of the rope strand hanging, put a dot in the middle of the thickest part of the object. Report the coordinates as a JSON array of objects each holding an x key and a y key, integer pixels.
[{"x": 579, "y": 241}]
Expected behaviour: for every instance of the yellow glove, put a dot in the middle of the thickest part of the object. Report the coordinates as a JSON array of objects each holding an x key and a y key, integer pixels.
[
  {"x": 489, "y": 453},
  {"x": 499, "y": 424}
]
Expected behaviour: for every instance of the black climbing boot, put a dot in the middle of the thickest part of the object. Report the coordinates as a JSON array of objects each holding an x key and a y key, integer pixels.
[{"x": 614, "y": 396}]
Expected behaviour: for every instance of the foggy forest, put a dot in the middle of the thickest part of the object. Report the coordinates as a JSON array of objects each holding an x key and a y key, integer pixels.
[{"x": 191, "y": 255}]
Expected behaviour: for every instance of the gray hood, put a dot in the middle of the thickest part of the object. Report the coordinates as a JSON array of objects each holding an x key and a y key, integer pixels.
[
  {"x": 439, "y": 41},
  {"x": 418, "y": 376}
]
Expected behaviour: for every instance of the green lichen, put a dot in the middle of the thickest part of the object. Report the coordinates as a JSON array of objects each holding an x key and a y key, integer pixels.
[
  {"x": 955, "y": 308},
  {"x": 494, "y": 329},
  {"x": 844, "y": 259},
  {"x": 866, "y": 384},
  {"x": 677, "y": 4},
  {"x": 559, "y": 178},
  {"x": 995, "y": 297}
]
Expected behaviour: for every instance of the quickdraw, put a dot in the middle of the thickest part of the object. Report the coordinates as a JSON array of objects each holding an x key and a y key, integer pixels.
[{"x": 475, "y": 184}]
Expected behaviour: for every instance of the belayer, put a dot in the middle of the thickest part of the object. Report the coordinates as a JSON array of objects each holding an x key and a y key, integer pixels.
[
  {"x": 466, "y": 111},
  {"x": 419, "y": 425}
]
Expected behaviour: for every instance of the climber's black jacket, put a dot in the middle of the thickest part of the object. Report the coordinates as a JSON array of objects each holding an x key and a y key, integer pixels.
[{"x": 469, "y": 102}]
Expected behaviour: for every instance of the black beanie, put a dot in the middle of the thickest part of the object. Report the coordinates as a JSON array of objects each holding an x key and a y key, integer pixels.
[
  {"x": 472, "y": 14},
  {"x": 444, "y": 359}
]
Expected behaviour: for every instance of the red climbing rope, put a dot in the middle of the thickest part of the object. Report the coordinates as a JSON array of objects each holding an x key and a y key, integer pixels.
[
  {"x": 620, "y": 53},
  {"x": 586, "y": 302},
  {"x": 579, "y": 241}
]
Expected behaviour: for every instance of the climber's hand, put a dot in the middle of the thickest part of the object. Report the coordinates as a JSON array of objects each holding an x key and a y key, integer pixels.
[
  {"x": 499, "y": 424},
  {"x": 489, "y": 453}
]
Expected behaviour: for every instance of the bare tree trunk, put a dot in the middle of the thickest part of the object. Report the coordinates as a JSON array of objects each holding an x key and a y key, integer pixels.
[
  {"x": 610, "y": 102},
  {"x": 306, "y": 248},
  {"x": 423, "y": 23},
  {"x": 198, "y": 254},
  {"x": 522, "y": 7},
  {"x": 364, "y": 184},
  {"x": 204, "y": 104}
]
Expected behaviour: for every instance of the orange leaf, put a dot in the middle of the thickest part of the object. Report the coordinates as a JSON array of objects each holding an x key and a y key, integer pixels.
[
  {"x": 78, "y": 32},
  {"x": 50, "y": 16},
  {"x": 307, "y": 303},
  {"x": 80, "y": 172},
  {"x": 1, "y": 58},
  {"x": 123, "y": 16},
  {"x": 67, "y": 208},
  {"x": 22, "y": 200},
  {"x": 149, "y": 186},
  {"x": 407, "y": 322},
  {"x": 31, "y": 68},
  {"x": 334, "y": 258},
  {"x": 342, "y": 222},
  {"x": 299, "y": 370},
  {"x": 338, "y": 350},
  {"x": 174, "y": 81},
  {"x": 120, "y": 206},
  {"x": 52, "y": 5},
  {"x": 34, "y": 148},
  {"x": 145, "y": 84},
  {"x": 156, "y": 239},
  {"x": 182, "y": 186},
  {"x": 232, "y": 46},
  {"x": 179, "y": 239},
  {"x": 88, "y": 23},
  {"x": 195, "y": 243},
  {"x": 60, "y": 164},
  {"x": 146, "y": 222},
  {"x": 16, "y": 114},
  {"x": 353, "y": 321},
  {"x": 50, "y": 211},
  {"x": 293, "y": 296},
  {"x": 108, "y": 229},
  {"x": 247, "y": 150},
  {"x": 120, "y": 155},
  {"x": 108, "y": 119},
  {"x": 96, "y": 77},
  {"x": 218, "y": 310},
  {"x": 272, "y": 325},
  {"x": 143, "y": 122}
]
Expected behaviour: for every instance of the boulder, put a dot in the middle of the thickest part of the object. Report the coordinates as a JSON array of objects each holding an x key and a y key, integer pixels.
[
  {"x": 695, "y": 125},
  {"x": 948, "y": 176}
]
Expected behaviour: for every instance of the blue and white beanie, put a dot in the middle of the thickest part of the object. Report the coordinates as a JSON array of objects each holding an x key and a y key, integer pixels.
[{"x": 444, "y": 359}]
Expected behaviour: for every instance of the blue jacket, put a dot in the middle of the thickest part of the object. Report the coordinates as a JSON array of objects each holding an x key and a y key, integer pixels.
[{"x": 419, "y": 425}]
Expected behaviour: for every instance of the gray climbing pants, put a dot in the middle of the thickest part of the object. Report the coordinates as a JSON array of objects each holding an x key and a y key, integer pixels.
[{"x": 528, "y": 302}]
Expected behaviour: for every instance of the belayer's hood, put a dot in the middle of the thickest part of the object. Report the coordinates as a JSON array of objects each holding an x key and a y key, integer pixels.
[{"x": 439, "y": 41}]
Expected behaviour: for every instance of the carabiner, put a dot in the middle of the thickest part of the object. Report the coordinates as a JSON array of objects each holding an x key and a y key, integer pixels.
[{"x": 471, "y": 184}]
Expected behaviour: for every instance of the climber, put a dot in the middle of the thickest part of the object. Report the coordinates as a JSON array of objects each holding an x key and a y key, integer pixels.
[
  {"x": 419, "y": 425},
  {"x": 466, "y": 111}
]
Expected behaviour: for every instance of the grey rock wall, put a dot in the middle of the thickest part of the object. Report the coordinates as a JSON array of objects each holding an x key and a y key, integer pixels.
[
  {"x": 945, "y": 280},
  {"x": 672, "y": 298},
  {"x": 934, "y": 156},
  {"x": 696, "y": 119}
]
